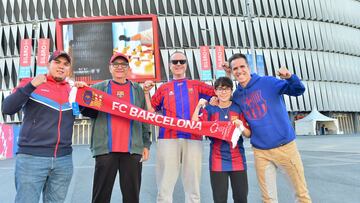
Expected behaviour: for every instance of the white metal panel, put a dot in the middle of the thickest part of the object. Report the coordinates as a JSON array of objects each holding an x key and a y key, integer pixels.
[
  {"x": 13, "y": 29},
  {"x": 162, "y": 23},
  {"x": 287, "y": 102},
  {"x": 309, "y": 65},
  {"x": 226, "y": 25},
  {"x": 273, "y": 8},
  {"x": 279, "y": 4},
  {"x": 218, "y": 30},
  {"x": 303, "y": 65},
  {"x": 275, "y": 60},
  {"x": 1, "y": 43},
  {"x": 171, "y": 25},
  {"x": 300, "y": 8},
  {"x": 317, "y": 90},
  {"x": 285, "y": 28},
  {"x": 312, "y": 37},
  {"x": 6, "y": 32},
  {"x": 292, "y": 29},
  {"x": 179, "y": 29},
  {"x": 190, "y": 58},
  {"x": 269, "y": 66},
  {"x": 186, "y": 31},
  {"x": 266, "y": 7},
  {"x": 306, "y": 9},
  {"x": 265, "y": 32},
  {"x": 234, "y": 30},
  {"x": 279, "y": 32},
  {"x": 324, "y": 96},
  {"x": 257, "y": 31},
  {"x": 324, "y": 10},
  {"x": 306, "y": 35},
  {"x": 297, "y": 68},
  {"x": 312, "y": 6},
  {"x": 299, "y": 33},
  {"x": 316, "y": 65},
  {"x": 318, "y": 37},
  {"x": 282, "y": 60},
  {"x": 272, "y": 32},
  {"x": 165, "y": 58},
  {"x": 312, "y": 96},
  {"x": 243, "y": 34},
  {"x": 306, "y": 96},
  {"x": 258, "y": 5}
]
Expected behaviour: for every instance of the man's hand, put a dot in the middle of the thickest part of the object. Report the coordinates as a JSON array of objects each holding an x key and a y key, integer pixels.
[
  {"x": 226, "y": 68},
  {"x": 145, "y": 155},
  {"x": 284, "y": 73},
  {"x": 214, "y": 101},
  {"x": 202, "y": 103},
  {"x": 239, "y": 124},
  {"x": 80, "y": 84},
  {"x": 38, "y": 80},
  {"x": 148, "y": 85}
]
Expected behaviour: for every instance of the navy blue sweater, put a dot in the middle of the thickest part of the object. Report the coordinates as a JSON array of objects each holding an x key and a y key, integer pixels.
[{"x": 48, "y": 120}]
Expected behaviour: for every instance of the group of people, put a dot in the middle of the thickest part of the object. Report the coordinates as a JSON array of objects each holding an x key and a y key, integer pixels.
[{"x": 44, "y": 162}]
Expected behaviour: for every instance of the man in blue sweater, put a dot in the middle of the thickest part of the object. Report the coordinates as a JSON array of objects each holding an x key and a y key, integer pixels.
[{"x": 273, "y": 137}]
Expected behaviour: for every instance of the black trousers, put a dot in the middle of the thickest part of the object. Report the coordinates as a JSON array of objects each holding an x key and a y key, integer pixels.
[
  {"x": 220, "y": 185},
  {"x": 106, "y": 168}
]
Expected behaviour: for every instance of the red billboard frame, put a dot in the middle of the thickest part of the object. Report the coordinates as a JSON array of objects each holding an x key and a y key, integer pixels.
[{"x": 153, "y": 18}]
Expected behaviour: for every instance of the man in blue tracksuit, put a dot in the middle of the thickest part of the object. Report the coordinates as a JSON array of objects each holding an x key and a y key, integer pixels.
[
  {"x": 261, "y": 100},
  {"x": 43, "y": 161}
]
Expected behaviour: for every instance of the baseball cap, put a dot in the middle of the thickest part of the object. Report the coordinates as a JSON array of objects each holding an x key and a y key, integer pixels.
[
  {"x": 58, "y": 53},
  {"x": 118, "y": 55}
]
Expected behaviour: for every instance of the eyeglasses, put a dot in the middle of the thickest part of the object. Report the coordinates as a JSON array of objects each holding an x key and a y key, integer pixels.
[
  {"x": 120, "y": 65},
  {"x": 223, "y": 89},
  {"x": 175, "y": 62}
]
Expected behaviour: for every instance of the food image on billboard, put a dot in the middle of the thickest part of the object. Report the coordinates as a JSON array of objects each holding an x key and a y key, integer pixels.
[
  {"x": 92, "y": 41},
  {"x": 135, "y": 39}
]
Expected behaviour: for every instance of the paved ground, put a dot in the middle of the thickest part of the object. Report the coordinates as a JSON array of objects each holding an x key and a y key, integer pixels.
[{"x": 332, "y": 168}]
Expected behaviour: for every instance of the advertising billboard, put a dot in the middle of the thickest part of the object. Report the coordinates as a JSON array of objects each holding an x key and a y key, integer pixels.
[{"x": 92, "y": 41}]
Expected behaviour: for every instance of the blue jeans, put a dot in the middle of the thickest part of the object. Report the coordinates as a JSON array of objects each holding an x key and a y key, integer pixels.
[{"x": 49, "y": 175}]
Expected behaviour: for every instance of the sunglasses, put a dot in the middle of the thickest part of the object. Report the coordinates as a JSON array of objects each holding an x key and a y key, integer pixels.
[{"x": 175, "y": 62}]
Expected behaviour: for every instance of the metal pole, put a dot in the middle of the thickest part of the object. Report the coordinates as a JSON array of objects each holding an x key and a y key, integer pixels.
[
  {"x": 212, "y": 50},
  {"x": 249, "y": 22},
  {"x": 35, "y": 27}
]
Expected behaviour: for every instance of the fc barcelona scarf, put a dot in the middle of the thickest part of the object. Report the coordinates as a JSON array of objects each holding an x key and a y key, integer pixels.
[{"x": 101, "y": 101}]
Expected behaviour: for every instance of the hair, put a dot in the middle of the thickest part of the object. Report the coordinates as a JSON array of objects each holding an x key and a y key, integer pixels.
[
  {"x": 237, "y": 56},
  {"x": 224, "y": 82},
  {"x": 177, "y": 52}
]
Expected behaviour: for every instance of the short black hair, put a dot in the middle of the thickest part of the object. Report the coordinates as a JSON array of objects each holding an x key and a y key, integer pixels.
[
  {"x": 237, "y": 56},
  {"x": 224, "y": 82}
]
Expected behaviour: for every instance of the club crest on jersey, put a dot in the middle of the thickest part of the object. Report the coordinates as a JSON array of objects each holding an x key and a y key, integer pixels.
[
  {"x": 171, "y": 93},
  {"x": 92, "y": 99},
  {"x": 255, "y": 106},
  {"x": 191, "y": 90},
  {"x": 120, "y": 94}
]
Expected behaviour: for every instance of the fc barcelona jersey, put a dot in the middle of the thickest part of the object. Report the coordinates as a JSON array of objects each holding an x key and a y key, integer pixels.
[
  {"x": 178, "y": 99},
  {"x": 222, "y": 156}
]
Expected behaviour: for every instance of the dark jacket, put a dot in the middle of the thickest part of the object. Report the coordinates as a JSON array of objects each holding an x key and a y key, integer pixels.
[{"x": 48, "y": 120}]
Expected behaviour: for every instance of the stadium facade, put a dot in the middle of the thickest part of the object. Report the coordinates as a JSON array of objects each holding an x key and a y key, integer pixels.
[{"x": 317, "y": 39}]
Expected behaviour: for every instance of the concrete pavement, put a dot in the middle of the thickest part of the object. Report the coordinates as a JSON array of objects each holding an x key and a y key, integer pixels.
[{"x": 332, "y": 169}]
